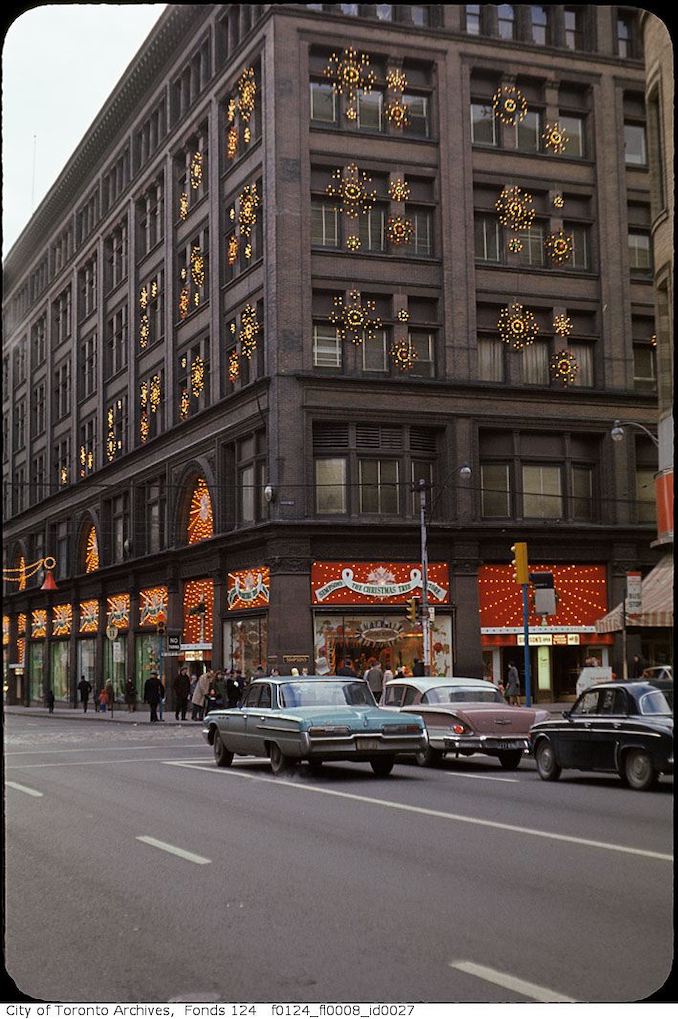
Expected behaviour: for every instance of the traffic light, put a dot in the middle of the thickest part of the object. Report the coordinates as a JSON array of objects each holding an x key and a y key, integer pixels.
[
  {"x": 521, "y": 569},
  {"x": 412, "y": 609},
  {"x": 161, "y": 629}
]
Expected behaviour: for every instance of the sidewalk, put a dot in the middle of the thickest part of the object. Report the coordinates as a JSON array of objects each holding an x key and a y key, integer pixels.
[{"x": 141, "y": 715}]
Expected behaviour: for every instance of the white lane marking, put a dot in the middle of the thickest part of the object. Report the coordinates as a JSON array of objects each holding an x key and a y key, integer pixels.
[
  {"x": 23, "y": 789},
  {"x": 94, "y": 750},
  {"x": 462, "y": 818},
  {"x": 85, "y": 764},
  {"x": 486, "y": 778},
  {"x": 175, "y": 850},
  {"x": 511, "y": 983}
]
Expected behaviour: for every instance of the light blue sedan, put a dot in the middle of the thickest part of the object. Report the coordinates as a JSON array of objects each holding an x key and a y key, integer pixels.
[{"x": 315, "y": 719}]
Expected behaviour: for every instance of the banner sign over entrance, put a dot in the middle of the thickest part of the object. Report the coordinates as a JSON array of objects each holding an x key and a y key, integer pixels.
[
  {"x": 248, "y": 589},
  {"x": 376, "y": 583}
]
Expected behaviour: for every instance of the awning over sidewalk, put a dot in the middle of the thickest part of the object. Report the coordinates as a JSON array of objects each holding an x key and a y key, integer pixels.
[{"x": 657, "y": 595}]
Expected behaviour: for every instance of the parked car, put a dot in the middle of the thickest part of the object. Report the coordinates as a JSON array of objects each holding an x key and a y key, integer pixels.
[
  {"x": 313, "y": 718},
  {"x": 464, "y": 716},
  {"x": 622, "y": 727},
  {"x": 661, "y": 676}
]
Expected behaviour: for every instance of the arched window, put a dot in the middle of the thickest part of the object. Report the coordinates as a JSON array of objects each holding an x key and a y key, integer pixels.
[
  {"x": 91, "y": 551},
  {"x": 200, "y": 516}
]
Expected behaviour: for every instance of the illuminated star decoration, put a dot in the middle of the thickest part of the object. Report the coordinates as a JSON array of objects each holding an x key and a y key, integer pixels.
[
  {"x": 233, "y": 366},
  {"x": 197, "y": 271},
  {"x": 558, "y": 201},
  {"x": 517, "y": 326},
  {"x": 197, "y": 376},
  {"x": 559, "y": 247},
  {"x": 242, "y": 106},
  {"x": 402, "y": 350},
  {"x": 248, "y": 203},
  {"x": 353, "y": 242},
  {"x": 183, "y": 205},
  {"x": 184, "y": 302},
  {"x": 232, "y": 250},
  {"x": 200, "y": 517},
  {"x": 196, "y": 171},
  {"x": 515, "y": 244},
  {"x": 564, "y": 367},
  {"x": 399, "y": 230},
  {"x": 509, "y": 104},
  {"x": 515, "y": 208},
  {"x": 113, "y": 443},
  {"x": 398, "y": 190},
  {"x": 562, "y": 325},
  {"x": 355, "y": 319},
  {"x": 352, "y": 190},
  {"x": 555, "y": 138},
  {"x": 349, "y": 74},
  {"x": 249, "y": 327},
  {"x": 396, "y": 110}
]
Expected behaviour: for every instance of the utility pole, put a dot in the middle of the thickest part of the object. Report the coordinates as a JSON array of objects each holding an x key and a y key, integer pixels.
[{"x": 425, "y": 620}]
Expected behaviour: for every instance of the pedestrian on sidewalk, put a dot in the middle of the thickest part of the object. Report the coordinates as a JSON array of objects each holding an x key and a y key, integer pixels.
[
  {"x": 152, "y": 694},
  {"x": 512, "y": 685},
  {"x": 109, "y": 695},
  {"x": 199, "y": 697},
  {"x": 103, "y": 700},
  {"x": 375, "y": 679},
  {"x": 85, "y": 689},
  {"x": 181, "y": 689},
  {"x": 131, "y": 695},
  {"x": 49, "y": 700},
  {"x": 161, "y": 702}
]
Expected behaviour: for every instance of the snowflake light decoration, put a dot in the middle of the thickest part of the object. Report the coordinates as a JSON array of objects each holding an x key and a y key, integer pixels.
[
  {"x": 183, "y": 205},
  {"x": 403, "y": 354},
  {"x": 355, "y": 320},
  {"x": 403, "y": 315},
  {"x": 515, "y": 244},
  {"x": 399, "y": 230},
  {"x": 517, "y": 326},
  {"x": 232, "y": 250},
  {"x": 351, "y": 188},
  {"x": 197, "y": 376},
  {"x": 353, "y": 242},
  {"x": 555, "y": 138},
  {"x": 564, "y": 367},
  {"x": 233, "y": 366},
  {"x": 399, "y": 190},
  {"x": 200, "y": 517},
  {"x": 562, "y": 325},
  {"x": 197, "y": 267},
  {"x": 249, "y": 327},
  {"x": 558, "y": 201},
  {"x": 509, "y": 104},
  {"x": 248, "y": 203},
  {"x": 559, "y": 247},
  {"x": 349, "y": 74},
  {"x": 396, "y": 111},
  {"x": 196, "y": 171},
  {"x": 515, "y": 208},
  {"x": 232, "y": 143},
  {"x": 243, "y": 106},
  {"x": 184, "y": 404}
]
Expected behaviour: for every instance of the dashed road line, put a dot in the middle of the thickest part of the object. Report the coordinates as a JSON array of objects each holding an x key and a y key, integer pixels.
[
  {"x": 485, "y": 778},
  {"x": 23, "y": 789},
  {"x": 429, "y": 812},
  {"x": 511, "y": 983},
  {"x": 175, "y": 850}
]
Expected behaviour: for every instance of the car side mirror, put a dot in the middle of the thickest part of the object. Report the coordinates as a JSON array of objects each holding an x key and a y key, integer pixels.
[{"x": 567, "y": 714}]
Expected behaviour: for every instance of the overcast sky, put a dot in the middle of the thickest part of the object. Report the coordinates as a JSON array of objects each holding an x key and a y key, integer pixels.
[{"x": 59, "y": 65}]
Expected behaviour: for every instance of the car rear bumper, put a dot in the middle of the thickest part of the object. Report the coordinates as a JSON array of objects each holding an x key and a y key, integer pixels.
[
  {"x": 367, "y": 744},
  {"x": 478, "y": 744}
]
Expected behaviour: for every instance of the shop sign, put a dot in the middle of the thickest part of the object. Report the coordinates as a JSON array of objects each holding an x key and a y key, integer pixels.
[
  {"x": 118, "y": 651},
  {"x": 634, "y": 592},
  {"x": 248, "y": 589},
  {"x": 152, "y": 606},
  {"x": 573, "y": 630},
  {"x": 117, "y": 610},
  {"x": 566, "y": 638},
  {"x": 355, "y": 583},
  {"x": 89, "y": 616},
  {"x": 380, "y": 634},
  {"x": 536, "y": 639},
  {"x": 198, "y": 646}
]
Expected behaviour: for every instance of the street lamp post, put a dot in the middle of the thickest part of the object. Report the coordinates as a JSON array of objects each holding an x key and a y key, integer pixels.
[
  {"x": 617, "y": 430},
  {"x": 425, "y": 621}
]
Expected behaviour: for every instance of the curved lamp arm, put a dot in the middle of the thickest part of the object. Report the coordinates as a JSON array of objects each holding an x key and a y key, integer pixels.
[{"x": 617, "y": 430}]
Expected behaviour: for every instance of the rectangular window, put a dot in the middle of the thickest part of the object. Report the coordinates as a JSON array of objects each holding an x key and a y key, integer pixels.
[
  {"x": 536, "y": 364},
  {"x": 487, "y": 237},
  {"x": 582, "y": 493},
  {"x": 193, "y": 379},
  {"x": 374, "y": 353},
  {"x": 639, "y": 252},
  {"x": 370, "y": 111},
  {"x": 573, "y": 28},
  {"x": 473, "y": 19},
  {"x": 540, "y": 26},
  {"x": 635, "y": 149},
  {"x": 87, "y": 458},
  {"x": 532, "y": 252},
  {"x": 378, "y": 486},
  {"x": 324, "y": 225},
  {"x": 417, "y": 113},
  {"x": 583, "y": 353},
  {"x": 483, "y": 124},
  {"x": 372, "y": 230},
  {"x": 495, "y": 494},
  {"x": 626, "y": 36},
  {"x": 490, "y": 360},
  {"x": 62, "y": 390},
  {"x": 154, "y": 510},
  {"x": 119, "y": 526},
  {"x": 330, "y": 485},
  {"x": 424, "y": 349},
  {"x": 645, "y": 497},
  {"x": 506, "y": 21},
  {"x": 323, "y": 103},
  {"x": 246, "y": 489},
  {"x": 38, "y": 342},
  {"x": 421, "y": 243},
  {"x": 116, "y": 341},
  {"x": 581, "y": 248},
  {"x": 62, "y": 462},
  {"x": 576, "y": 142},
  {"x": 38, "y": 408},
  {"x": 644, "y": 367},
  {"x": 326, "y": 347},
  {"x": 88, "y": 366},
  {"x": 19, "y": 425},
  {"x": 528, "y": 132},
  {"x": 542, "y": 494}
]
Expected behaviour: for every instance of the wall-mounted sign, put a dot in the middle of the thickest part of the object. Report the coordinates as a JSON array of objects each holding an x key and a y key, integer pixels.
[
  {"x": 117, "y": 611},
  {"x": 38, "y": 623},
  {"x": 581, "y": 592},
  {"x": 89, "y": 616},
  {"x": 634, "y": 592},
  {"x": 153, "y": 606},
  {"x": 376, "y": 583},
  {"x": 248, "y": 589},
  {"x": 62, "y": 619}
]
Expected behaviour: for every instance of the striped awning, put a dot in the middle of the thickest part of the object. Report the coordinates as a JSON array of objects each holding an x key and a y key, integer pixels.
[{"x": 657, "y": 596}]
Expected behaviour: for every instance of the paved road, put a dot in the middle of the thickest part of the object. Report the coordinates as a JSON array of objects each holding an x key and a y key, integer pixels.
[{"x": 138, "y": 871}]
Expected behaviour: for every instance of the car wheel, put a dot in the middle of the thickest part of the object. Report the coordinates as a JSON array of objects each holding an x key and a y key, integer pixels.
[
  {"x": 639, "y": 770},
  {"x": 280, "y": 762},
  {"x": 222, "y": 756},
  {"x": 547, "y": 766},
  {"x": 382, "y": 766},
  {"x": 428, "y": 758},
  {"x": 510, "y": 759}
]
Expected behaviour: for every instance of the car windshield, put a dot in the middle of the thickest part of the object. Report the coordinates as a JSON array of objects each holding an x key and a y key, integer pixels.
[
  {"x": 451, "y": 694},
  {"x": 325, "y": 693},
  {"x": 654, "y": 703}
]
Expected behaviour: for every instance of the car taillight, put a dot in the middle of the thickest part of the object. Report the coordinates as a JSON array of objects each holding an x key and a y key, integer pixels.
[
  {"x": 329, "y": 730},
  {"x": 409, "y": 729},
  {"x": 458, "y": 729}
]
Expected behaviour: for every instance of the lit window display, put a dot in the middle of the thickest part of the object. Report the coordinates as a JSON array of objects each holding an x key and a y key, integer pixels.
[
  {"x": 388, "y": 638},
  {"x": 61, "y": 661},
  {"x": 245, "y": 644}
]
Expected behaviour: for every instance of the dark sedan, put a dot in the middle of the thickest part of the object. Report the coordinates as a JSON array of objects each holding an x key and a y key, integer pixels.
[{"x": 620, "y": 727}]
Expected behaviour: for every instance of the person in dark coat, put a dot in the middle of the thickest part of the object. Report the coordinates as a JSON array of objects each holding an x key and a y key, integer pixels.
[
  {"x": 375, "y": 680},
  {"x": 637, "y": 667},
  {"x": 417, "y": 667},
  {"x": 512, "y": 692},
  {"x": 347, "y": 669},
  {"x": 152, "y": 694},
  {"x": 131, "y": 695},
  {"x": 234, "y": 690},
  {"x": 49, "y": 699},
  {"x": 181, "y": 689},
  {"x": 85, "y": 689}
]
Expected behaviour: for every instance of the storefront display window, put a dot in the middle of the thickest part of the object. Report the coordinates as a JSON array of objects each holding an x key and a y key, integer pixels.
[
  {"x": 245, "y": 643},
  {"x": 61, "y": 661},
  {"x": 387, "y": 637},
  {"x": 147, "y": 657},
  {"x": 115, "y": 659},
  {"x": 36, "y": 669},
  {"x": 87, "y": 661}
]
